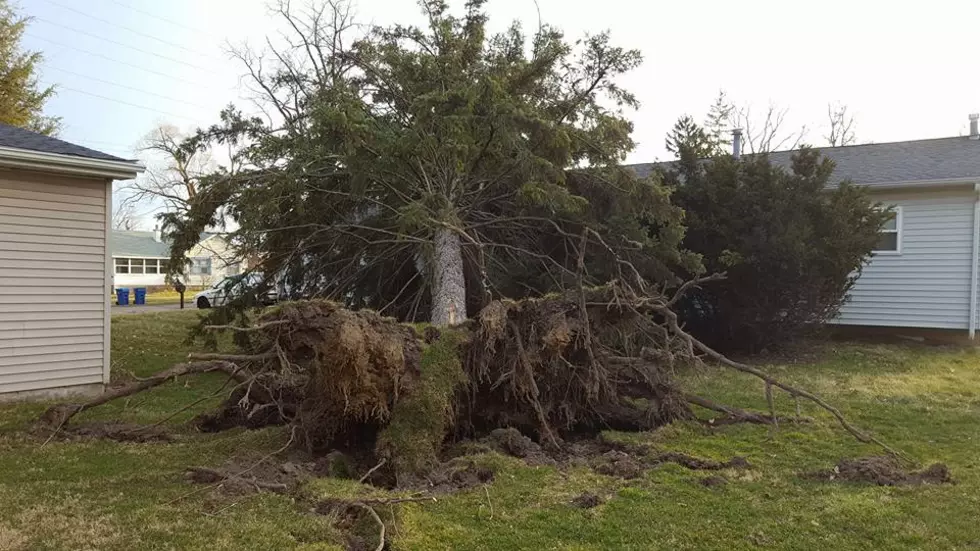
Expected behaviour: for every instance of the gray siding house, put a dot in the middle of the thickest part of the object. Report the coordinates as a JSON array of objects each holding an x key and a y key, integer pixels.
[{"x": 924, "y": 273}]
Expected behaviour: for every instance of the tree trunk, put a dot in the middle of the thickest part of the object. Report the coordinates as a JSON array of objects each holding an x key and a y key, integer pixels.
[{"x": 448, "y": 282}]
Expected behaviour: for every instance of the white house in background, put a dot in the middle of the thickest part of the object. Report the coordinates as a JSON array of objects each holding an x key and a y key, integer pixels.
[
  {"x": 924, "y": 272},
  {"x": 141, "y": 259},
  {"x": 55, "y": 265}
]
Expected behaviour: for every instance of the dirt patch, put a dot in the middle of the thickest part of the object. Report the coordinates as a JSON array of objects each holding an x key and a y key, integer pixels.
[
  {"x": 619, "y": 464},
  {"x": 715, "y": 481},
  {"x": 587, "y": 500},
  {"x": 700, "y": 464},
  {"x": 249, "y": 474},
  {"x": 110, "y": 430},
  {"x": 883, "y": 471},
  {"x": 452, "y": 476}
]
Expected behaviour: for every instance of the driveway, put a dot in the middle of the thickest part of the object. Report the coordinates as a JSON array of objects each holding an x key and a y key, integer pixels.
[{"x": 145, "y": 309}]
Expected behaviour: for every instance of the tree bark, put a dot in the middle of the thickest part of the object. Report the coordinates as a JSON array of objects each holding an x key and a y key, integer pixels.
[{"x": 448, "y": 281}]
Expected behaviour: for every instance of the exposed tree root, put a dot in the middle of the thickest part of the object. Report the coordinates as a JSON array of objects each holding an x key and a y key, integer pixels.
[
  {"x": 555, "y": 368},
  {"x": 207, "y": 475},
  {"x": 738, "y": 415},
  {"x": 58, "y": 415}
]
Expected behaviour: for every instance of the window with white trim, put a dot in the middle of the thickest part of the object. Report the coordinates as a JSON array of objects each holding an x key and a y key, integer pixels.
[
  {"x": 890, "y": 235},
  {"x": 140, "y": 265},
  {"x": 201, "y": 265}
]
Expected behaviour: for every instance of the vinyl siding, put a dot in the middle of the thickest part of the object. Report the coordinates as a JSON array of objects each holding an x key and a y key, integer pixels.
[
  {"x": 928, "y": 284},
  {"x": 52, "y": 281}
]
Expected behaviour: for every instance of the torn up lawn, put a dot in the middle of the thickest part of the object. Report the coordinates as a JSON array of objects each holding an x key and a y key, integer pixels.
[{"x": 506, "y": 489}]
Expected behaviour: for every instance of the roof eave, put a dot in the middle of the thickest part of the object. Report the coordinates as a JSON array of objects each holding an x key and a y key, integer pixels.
[
  {"x": 904, "y": 184},
  {"x": 12, "y": 157}
]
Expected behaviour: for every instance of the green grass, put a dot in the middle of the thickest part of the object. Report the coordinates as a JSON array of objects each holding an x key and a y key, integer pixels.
[{"x": 107, "y": 495}]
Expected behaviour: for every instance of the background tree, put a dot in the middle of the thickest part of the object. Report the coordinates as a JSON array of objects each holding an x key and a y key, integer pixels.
[
  {"x": 841, "y": 125},
  {"x": 21, "y": 98},
  {"x": 766, "y": 131},
  {"x": 419, "y": 171},
  {"x": 173, "y": 172},
  {"x": 688, "y": 134},
  {"x": 791, "y": 249},
  {"x": 124, "y": 217},
  {"x": 718, "y": 123}
]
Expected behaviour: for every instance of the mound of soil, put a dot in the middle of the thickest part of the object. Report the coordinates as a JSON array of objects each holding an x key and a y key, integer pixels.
[
  {"x": 619, "y": 464},
  {"x": 883, "y": 471}
]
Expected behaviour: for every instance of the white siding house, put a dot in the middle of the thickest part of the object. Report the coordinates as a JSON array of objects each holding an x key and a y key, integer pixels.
[
  {"x": 925, "y": 273},
  {"x": 141, "y": 259},
  {"x": 927, "y": 280},
  {"x": 55, "y": 273}
]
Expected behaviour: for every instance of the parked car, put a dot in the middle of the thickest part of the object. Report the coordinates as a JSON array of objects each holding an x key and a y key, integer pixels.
[{"x": 231, "y": 288}]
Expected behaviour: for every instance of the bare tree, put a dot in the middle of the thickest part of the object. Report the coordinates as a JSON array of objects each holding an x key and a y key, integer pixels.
[
  {"x": 766, "y": 132},
  {"x": 173, "y": 173},
  {"x": 124, "y": 217},
  {"x": 841, "y": 125}
]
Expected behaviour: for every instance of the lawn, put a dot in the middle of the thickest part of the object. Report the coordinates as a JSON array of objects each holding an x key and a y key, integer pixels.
[{"x": 108, "y": 495}]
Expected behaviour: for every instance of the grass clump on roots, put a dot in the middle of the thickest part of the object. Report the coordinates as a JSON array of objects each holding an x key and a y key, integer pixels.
[{"x": 421, "y": 420}]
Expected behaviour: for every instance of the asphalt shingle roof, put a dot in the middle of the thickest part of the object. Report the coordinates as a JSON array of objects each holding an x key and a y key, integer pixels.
[
  {"x": 11, "y": 136},
  {"x": 137, "y": 243},
  {"x": 889, "y": 163},
  {"x": 142, "y": 243}
]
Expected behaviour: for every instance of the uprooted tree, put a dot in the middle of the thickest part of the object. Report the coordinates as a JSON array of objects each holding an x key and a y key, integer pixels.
[{"x": 438, "y": 169}]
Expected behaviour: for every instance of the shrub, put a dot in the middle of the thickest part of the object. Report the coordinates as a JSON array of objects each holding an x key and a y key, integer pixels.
[{"x": 792, "y": 247}]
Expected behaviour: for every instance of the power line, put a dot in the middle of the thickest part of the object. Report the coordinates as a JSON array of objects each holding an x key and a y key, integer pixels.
[
  {"x": 133, "y": 88},
  {"x": 133, "y": 65},
  {"x": 129, "y": 29},
  {"x": 123, "y": 102},
  {"x": 123, "y": 44},
  {"x": 160, "y": 17}
]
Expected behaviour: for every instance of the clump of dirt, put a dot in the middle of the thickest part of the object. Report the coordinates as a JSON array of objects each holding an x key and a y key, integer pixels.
[
  {"x": 883, "y": 471},
  {"x": 619, "y": 464},
  {"x": 587, "y": 500},
  {"x": 452, "y": 476},
  {"x": 111, "y": 430}
]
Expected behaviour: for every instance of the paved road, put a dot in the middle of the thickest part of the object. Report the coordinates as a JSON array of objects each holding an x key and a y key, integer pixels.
[{"x": 131, "y": 309}]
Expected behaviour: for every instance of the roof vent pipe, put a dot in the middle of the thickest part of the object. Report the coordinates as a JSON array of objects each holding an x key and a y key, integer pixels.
[
  {"x": 974, "y": 131},
  {"x": 737, "y": 143}
]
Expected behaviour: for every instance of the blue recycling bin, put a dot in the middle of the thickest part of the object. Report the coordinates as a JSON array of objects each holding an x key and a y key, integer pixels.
[
  {"x": 122, "y": 297},
  {"x": 140, "y": 297}
]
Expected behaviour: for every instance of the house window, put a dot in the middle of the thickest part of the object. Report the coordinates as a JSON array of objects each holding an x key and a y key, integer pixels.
[
  {"x": 122, "y": 265},
  {"x": 890, "y": 236},
  {"x": 200, "y": 266},
  {"x": 141, "y": 265}
]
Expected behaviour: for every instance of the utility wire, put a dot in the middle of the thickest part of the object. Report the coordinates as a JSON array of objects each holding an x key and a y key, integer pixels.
[
  {"x": 133, "y": 88},
  {"x": 160, "y": 17},
  {"x": 125, "y": 28},
  {"x": 128, "y": 64},
  {"x": 124, "y": 45},
  {"x": 123, "y": 102}
]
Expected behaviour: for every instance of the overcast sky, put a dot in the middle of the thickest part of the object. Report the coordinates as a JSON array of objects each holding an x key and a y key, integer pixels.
[{"x": 907, "y": 70}]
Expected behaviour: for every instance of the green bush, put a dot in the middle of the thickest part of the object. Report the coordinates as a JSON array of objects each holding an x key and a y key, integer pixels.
[{"x": 791, "y": 245}]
